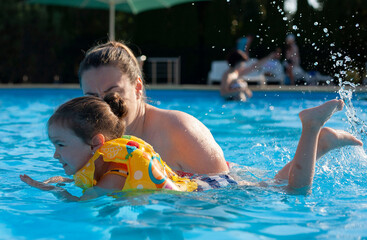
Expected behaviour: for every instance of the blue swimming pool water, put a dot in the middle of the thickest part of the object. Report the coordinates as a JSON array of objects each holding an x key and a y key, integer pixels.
[{"x": 259, "y": 136}]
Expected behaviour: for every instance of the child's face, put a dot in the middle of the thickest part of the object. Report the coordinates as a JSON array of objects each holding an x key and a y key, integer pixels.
[{"x": 70, "y": 150}]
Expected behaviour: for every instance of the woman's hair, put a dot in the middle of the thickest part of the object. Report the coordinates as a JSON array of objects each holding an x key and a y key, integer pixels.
[
  {"x": 114, "y": 54},
  {"x": 235, "y": 57},
  {"x": 87, "y": 116}
]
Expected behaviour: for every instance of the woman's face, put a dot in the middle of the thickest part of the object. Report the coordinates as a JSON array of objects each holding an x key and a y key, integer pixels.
[{"x": 106, "y": 79}]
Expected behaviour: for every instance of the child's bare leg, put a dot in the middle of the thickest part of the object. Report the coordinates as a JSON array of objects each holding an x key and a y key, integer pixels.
[
  {"x": 329, "y": 139},
  {"x": 302, "y": 169}
]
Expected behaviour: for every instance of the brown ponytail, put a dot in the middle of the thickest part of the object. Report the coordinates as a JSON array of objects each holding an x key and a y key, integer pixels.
[{"x": 117, "y": 104}]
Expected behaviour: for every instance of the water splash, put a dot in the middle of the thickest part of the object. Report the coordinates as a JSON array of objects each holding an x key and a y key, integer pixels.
[
  {"x": 355, "y": 159},
  {"x": 357, "y": 126}
]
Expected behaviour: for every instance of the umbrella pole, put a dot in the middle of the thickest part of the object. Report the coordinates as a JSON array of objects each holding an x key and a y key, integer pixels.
[{"x": 112, "y": 20}]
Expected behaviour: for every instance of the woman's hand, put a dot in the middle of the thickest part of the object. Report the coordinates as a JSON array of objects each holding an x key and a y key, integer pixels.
[{"x": 33, "y": 183}]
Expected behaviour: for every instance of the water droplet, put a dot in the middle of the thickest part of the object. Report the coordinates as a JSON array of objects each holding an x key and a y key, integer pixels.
[
  {"x": 316, "y": 63},
  {"x": 357, "y": 25},
  {"x": 285, "y": 18},
  {"x": 325, "y": 30},
  {"x": 347, "y": 59},
  {"x": 295, "y": 27},
  {"x": 315, "y": 23}
]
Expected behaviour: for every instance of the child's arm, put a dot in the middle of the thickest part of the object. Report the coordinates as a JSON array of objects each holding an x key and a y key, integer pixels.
[
  {"x": 58, "y": 179},
  {"x": 57, "y": 191},
  {"x": 108, "y": 184}
]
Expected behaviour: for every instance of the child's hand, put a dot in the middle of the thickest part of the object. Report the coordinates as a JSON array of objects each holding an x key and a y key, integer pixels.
[
  {"x": 40, "y": 185},
  {"x": 58, "y": 179}
]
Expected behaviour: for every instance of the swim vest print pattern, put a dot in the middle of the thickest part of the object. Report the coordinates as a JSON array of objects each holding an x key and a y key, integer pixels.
[{"x": 146, "y": 169}]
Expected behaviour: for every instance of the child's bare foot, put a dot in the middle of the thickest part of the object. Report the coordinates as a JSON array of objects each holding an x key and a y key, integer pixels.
[
  {"x": 316, "y": 117},
  {"x": 330, "y": 139}
]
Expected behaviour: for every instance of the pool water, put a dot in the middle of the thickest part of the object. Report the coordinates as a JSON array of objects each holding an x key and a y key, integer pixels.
[{"x": 258, "y": 136}]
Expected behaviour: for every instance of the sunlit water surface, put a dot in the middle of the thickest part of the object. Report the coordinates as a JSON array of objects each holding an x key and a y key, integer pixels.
[{"x": 258, "y": 136}]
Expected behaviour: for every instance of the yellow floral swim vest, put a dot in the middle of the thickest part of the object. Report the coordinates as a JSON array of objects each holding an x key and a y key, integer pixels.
[{"x": 142, "y": 167}]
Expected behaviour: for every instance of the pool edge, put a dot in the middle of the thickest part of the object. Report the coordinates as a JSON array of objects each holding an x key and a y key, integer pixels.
[{"x": 197, "y": 87}]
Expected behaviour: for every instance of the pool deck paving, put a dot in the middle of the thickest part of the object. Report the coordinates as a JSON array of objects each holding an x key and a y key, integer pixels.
[{"x": 197, "y": 87}]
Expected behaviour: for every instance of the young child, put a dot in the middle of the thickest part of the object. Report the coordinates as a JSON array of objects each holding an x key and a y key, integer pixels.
[
  {"x": 86, "y": 134},
  {"x": 233, "y": 86}
]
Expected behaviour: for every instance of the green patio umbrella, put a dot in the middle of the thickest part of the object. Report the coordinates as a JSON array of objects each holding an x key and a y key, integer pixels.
[{"x": 129, "y": 6}]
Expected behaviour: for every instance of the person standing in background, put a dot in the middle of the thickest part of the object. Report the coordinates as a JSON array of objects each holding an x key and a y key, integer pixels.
[
  {"x": 292, "y": 57},
  {"x": 244, "y": 43}
]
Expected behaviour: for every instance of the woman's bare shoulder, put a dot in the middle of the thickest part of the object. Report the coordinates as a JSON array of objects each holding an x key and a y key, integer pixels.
[
  {"x": 183, "y": 131},
  {"x": 174, "y": 122},
  {"x": 169, "y": 116}
]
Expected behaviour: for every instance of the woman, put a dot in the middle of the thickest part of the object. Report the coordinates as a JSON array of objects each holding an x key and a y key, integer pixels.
[
  {"x": 182, "y": 140},
  {"x": 292, "y": 58}
]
